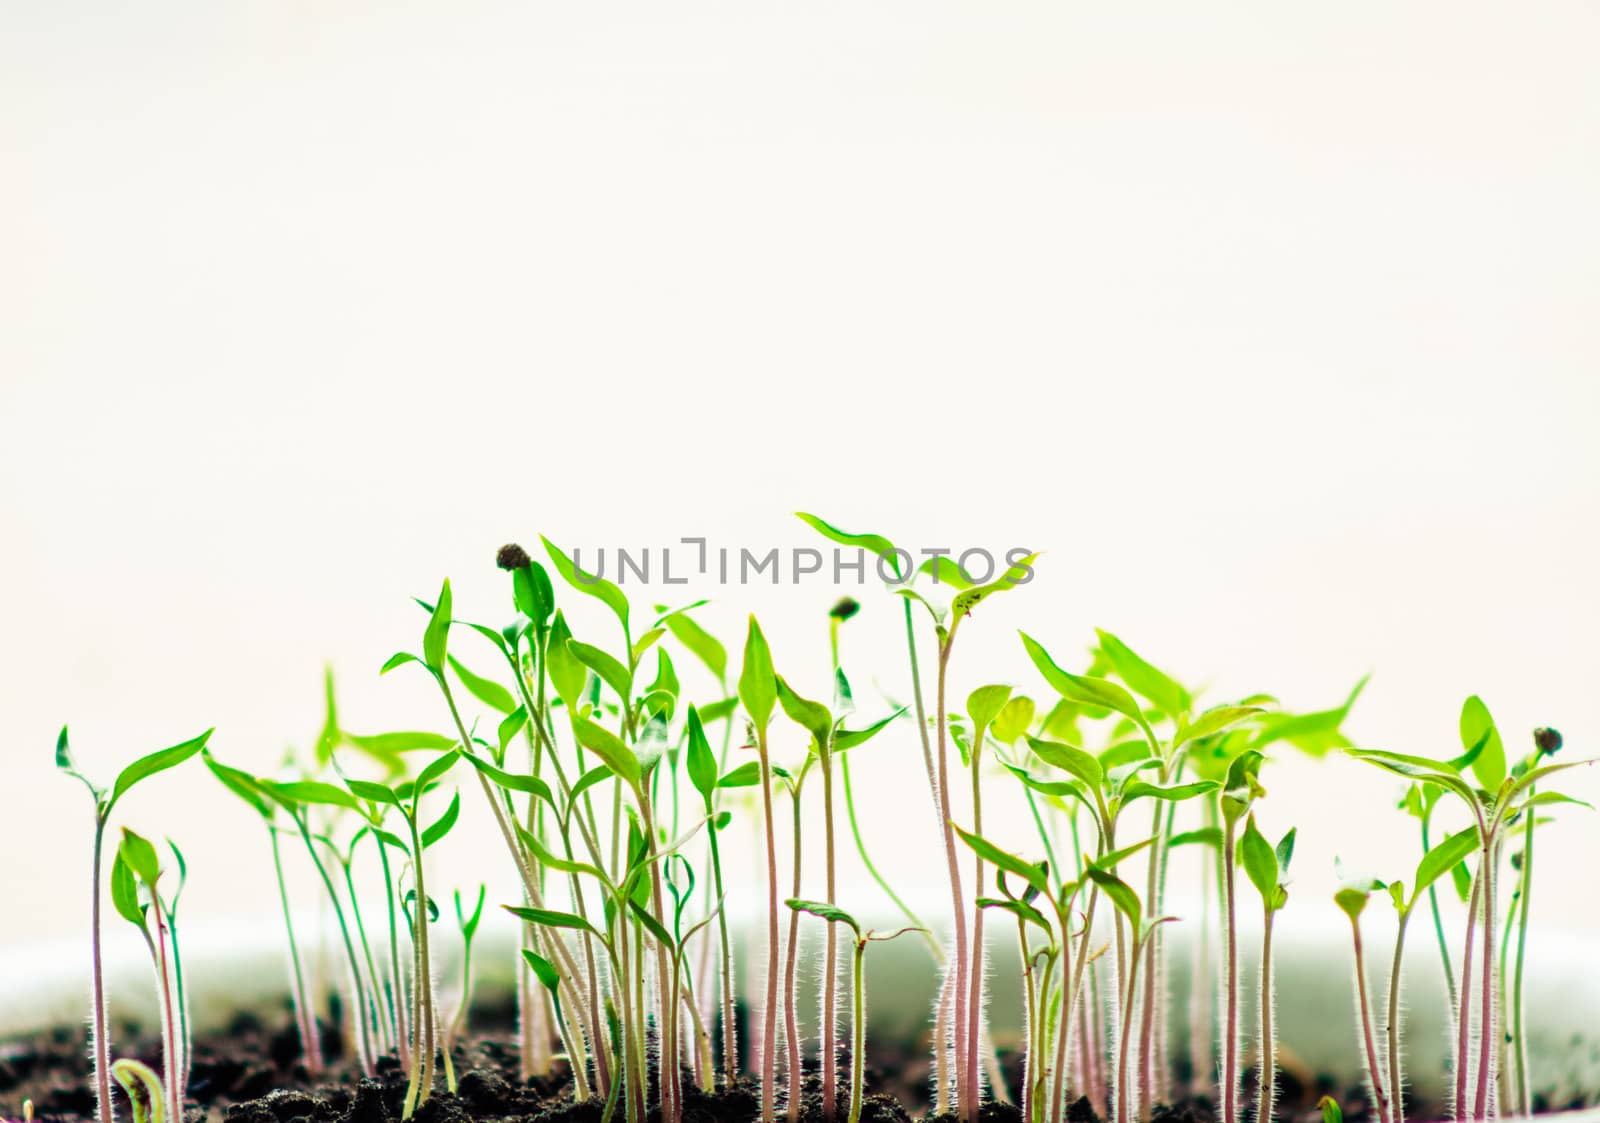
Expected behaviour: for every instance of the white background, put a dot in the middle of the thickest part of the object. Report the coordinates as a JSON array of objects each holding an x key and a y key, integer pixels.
[{"x": 1272, "y": 325}]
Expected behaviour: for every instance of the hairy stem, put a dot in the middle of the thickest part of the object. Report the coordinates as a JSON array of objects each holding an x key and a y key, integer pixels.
[
  {"x": 1268, "y": 1089},
  {"x": 966, "y": 1100},
  {"x": 769, "y": 1029},
  {"x": 1438, "y": 928},
  {"x": 1374, "y": 1070},
  {"x": 1461, "y": 1107},
  {"x": 858, "y": 1035},
  {"x": 101, "y": 1030},
  {"x": 1396, "y": 1089},
  {"x": 1230, "y": 1029},
  {"x": 1524, "y": 1091},
  {"x": 791, "y": 1021}
]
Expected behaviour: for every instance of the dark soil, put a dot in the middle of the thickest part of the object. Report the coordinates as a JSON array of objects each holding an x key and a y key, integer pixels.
[{"x": 252, "y": 1074}]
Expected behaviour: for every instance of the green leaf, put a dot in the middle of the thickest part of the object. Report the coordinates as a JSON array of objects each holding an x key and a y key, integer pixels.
[
  {"x": 589, "y": 779},
  {"x": 555, "y": 861},
  {"x": 487, "y": 691},
  {"x": 1242, "y": 787},
  {"x": 148, "y": 766},
  {"x": 469, "y": 924},
  {"x": 1283, "y": 852},
  {"x": 699, "y": 761},
  {"x": 1260, "y": 861},
  {"x": 651, "y": 924},
  {"x": 1004, "y": 860},
  {"x": 1204, "y": 836},
  {"x": 1352, "y": 895},
  {"x": 512, "y": 724},
  {"x": 610, "y": 671},
  {"x": 241, "y": 784},
  {"x": 589, "y": 584},
  {"x": 666, "y": 682},
  {"x": 377, "y": 793},
  {"x": 438, "y": 631},
  {"x": 1016, "y": 908},
  {"x": 1442, "y": 858},
  {"x": 969, "y": 599},
  {"x": 1171, "y": 792},
  {"x": 831, "y": 913},
  {"x": 1013, "y": 721},
  {"x": 1070, "y": 759},
  {"x": 984, "y": 705},
  {"x": 535, "y": 597},
  {"x": 399, "y": 659},
  {"x": 811, "y": 716},
  {"x": 385, "y": 745},
  {"x": 567, "y": 674},
  {"x": 609, "y": 748},
  {"x": 441, "y": 826},
  {"x": 1476, "y": 725},
  {"x": 1121, "y": 894},
  {"x": 551, "y": 919},
  {"x": 125, "y": 891},
  {"x": 437, "y": 768},
  {"x": 1331, "y": 1111},
  {"x": 1544, "y": 799},
  {"x": 746, "y": 775},
  {"x": 875, "y": 544},
  {"x": 65, "y": 762},
  {"x": 1314, "y": 733},
  {"x": 141, "y": 857},
  {"x": 328, "y": 739},
  {"x": 706, "y": 647},
  {"x": 1117, "y": 857},
  {"x": 296, "y": 792},
  {"x": 1082, "y": 689},
  {"x": 758, "y": 687},
  {"x": 849, "y": 738},
  {"x": 1214, "y": 720},
  {"x": 1156, "y": 686},
  {"x": 543, "y": 970},
  {"x": 1048, "y": 787},
  {"x": 945, "y": 571},
  {"x": 1418, "y": 768}
]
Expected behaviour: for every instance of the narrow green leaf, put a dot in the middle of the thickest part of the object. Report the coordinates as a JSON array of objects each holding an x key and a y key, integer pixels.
[
  {"x": 589, "y": 584},
  {"x": 831, "y": 913},
  {"x": 485, "y": 690},
  {"x": 1083, "y": 689},
  {"x": 1013, "y": 721},
  {"x": 437, "y": 634},
  {"x": 1213, "y": 721},
  {"x": 140, "y": 854},
  {"x": 441, "y": 826},
  {"x": 698, "y": 760},
  {"x": 1144, "y": 679},
  {"x": 1260, "y": 861},
  {"x": 241, "y": 784},
  {"x": 543, "y": 970},
  {"x": 849, "y": 738},
  {"x": 610, "y": 671},
  {"x": 1172, "y": 792},
  {"x": 1004, "y": 860},
  {"x": 1120, "y": 893},
  {"x": 746, "y": 775},
  {"x": 875, "y": 544},
  {"x": 1070, "y": 759},
  {"x": 437, "y": 768},
  {"x": 125, "y": 891},
  {"x": 701, "y": 643},
  {"x": 758, "y": 688},
  {"x": 567, "y": 674},
  {"x": 148, "y": 766},
  {"x": 811, "y": 716},
  {"x": 551, "y": 919},
  {"x": 969, "y": 599},
  {"x": 608, "y": 747}
]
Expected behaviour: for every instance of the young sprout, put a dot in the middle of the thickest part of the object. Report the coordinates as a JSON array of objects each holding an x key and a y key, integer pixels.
[
  {"x": 424, "y": 1014},
  {"x": 143, "y": 1087},
  {"x": 1267, "y": 867},
  {"x": 1493, "y": 806},
  {"x": 858, "y": 989},
  {"x": 1435, "y": 863},
  {"x": 105, "y": 802},
  {"x": 1352, "y": 901},
  {"x": 137, "y": 867},
  {"x": 758, "y": 692},
  {"x": 458, "y": 1022}
]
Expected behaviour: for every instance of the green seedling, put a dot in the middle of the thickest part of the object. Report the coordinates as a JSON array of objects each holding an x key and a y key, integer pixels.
[
  {"x": 795, "y": 784},
  {"x": 1267, "y": 866},
  {"x": 458, "y": 1021},
  {"x": 136, "y": 870},
  {"x": 1352, "y": 901},
  {"x": 858, "y": 989},
  {"x": 105, "y": 801},
  {"x": 1494, "y": 801},
  {"x": 758, "y": 694},
  {"x": 144, "y": 1090}
]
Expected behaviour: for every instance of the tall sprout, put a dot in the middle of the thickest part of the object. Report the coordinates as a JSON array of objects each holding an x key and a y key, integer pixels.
[{"x": 105, "y": 801}]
